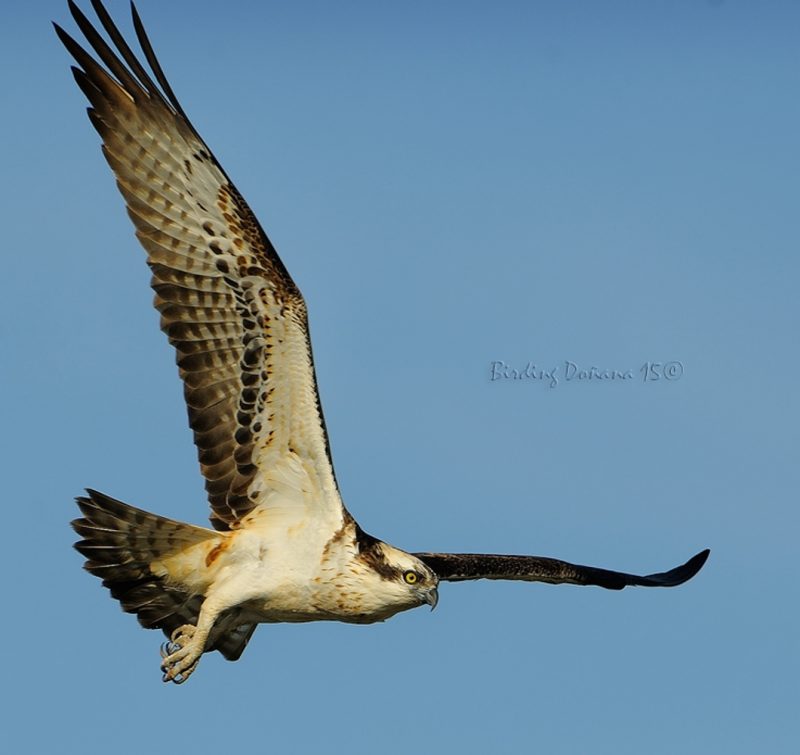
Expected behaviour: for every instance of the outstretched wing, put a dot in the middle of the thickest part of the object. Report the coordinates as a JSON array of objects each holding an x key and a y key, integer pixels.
[
  {"x": 457, "y": 567},
  {"x": 228, "y": 305}
]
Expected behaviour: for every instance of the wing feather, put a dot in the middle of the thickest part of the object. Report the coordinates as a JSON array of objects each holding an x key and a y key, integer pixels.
[
  {"x": 228, "y": 306},
  {"x": 458, "y": 567}
]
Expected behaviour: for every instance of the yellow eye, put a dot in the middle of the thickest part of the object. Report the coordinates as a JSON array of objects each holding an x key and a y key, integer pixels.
[{"x": 411, "y": 577}]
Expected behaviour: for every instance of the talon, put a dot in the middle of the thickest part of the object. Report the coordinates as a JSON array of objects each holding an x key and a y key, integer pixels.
[
  {"x": 180, "y": 655},
  {"x": 169, "y": 648}
]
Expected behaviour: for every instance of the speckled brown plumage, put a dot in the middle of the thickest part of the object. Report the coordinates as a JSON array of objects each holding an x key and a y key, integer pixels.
[{"x": 228, "y": 305}]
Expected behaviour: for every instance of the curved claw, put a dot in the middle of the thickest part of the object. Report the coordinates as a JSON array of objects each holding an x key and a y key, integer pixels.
[
  {"x": 177, "y": 676},
  {"x": 177, "y": 679},
  {"x": 168, "y": 648},
  {"x": 180, "y": 655}
]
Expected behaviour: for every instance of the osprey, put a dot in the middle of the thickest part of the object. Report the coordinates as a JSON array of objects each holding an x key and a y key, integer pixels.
[{"x": 283, "y": 546}]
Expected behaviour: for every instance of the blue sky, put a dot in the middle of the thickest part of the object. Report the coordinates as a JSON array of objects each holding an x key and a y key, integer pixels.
[{"x": 451, "y": 184}]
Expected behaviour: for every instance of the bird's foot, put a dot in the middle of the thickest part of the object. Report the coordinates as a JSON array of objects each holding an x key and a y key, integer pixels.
[{"x": 180, "y": 655}]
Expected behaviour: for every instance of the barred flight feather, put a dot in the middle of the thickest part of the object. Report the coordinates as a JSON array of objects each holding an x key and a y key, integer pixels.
[{"x": 228, "y": 306}]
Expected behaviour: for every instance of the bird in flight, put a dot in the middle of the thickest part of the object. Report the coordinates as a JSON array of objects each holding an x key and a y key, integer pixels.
[{"x": 283, "y": 547}]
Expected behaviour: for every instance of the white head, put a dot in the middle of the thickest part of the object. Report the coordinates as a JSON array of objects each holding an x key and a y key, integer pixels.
[{"x": 390, "y": 580}]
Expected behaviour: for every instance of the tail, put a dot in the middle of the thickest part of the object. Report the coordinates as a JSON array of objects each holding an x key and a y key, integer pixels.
[{"x": 126, "y": 547}]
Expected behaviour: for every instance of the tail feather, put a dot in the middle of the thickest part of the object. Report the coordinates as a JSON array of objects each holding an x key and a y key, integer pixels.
[
  {"x": 118, "y": 534},
  {"x": 122, "y": 544}
]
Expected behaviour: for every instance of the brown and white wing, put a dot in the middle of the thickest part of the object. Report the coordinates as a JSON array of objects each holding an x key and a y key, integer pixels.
[
  {"x": 458, "y": 567},
  {"x": 228, "y": 305}
]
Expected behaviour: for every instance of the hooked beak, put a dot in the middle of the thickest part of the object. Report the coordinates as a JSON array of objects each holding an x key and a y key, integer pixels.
[{"x": 431, "y": 597}]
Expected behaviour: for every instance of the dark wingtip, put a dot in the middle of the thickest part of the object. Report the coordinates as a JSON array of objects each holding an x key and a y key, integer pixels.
[
  {"x": 64, "y": 36},
  {"x": 695, "y": 563},
  {"x": 679, "y": 574}
]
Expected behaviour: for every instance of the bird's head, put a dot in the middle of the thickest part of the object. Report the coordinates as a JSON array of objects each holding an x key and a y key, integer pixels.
[{"x": 400, "y": 580}]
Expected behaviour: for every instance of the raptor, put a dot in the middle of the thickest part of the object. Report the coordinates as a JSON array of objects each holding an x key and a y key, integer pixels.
[{"x": 282, "y": 546}]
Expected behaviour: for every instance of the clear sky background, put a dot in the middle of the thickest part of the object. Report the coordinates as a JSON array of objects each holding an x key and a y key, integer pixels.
[{"x": 451, "y": 184}]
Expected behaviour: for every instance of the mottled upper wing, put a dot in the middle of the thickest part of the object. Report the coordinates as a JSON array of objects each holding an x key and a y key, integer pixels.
[
  {"x": 227, "y": 304},
  {"x": 457, "y": 567}
]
